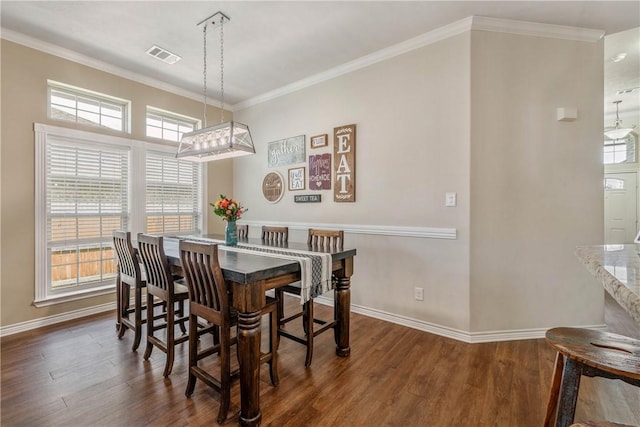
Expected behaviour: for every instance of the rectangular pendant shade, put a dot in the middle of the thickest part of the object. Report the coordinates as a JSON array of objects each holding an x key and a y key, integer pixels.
[{"x": 223, "y": 141}]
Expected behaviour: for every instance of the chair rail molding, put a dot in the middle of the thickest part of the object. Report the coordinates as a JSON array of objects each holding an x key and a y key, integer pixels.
[{"x": 380, "y": 230}]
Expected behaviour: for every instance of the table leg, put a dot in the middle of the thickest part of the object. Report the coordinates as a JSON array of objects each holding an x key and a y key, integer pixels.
[
  {"x": 249, "y": 358},
  {"x": 342, "y": 310}
]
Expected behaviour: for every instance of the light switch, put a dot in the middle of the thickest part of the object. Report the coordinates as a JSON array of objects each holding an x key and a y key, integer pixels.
[{"x": 450, "y": 199}]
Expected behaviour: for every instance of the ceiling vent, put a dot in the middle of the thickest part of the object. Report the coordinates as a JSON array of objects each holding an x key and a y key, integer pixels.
[{"x": 163, "y": 54}]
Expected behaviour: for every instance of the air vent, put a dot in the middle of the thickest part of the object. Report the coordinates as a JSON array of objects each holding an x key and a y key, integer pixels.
[
  {"x": 163, "y": 54},
  {"x": 623, "y": 91}
]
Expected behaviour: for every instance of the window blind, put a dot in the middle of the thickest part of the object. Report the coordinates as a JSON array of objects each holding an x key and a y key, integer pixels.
[
  {"x": 173, "y": 189},
  {"x": 86, "y": 199}
]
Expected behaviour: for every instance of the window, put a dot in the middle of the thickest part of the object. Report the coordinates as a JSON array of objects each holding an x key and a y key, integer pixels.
[
  {"x": 88, "y": 185},
  {"x": 169, "y": 126},
  {"x": 172, "y": 194},
  {"x": 620, "y": 150},
  {"x": 87, "y": 107}
]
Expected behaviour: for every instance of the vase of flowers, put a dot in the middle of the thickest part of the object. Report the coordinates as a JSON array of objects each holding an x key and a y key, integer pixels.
[{"x": 230, "y": 210}]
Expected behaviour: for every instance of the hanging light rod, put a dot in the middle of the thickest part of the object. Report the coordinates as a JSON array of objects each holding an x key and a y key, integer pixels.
[{"x": 227, "y": 139}]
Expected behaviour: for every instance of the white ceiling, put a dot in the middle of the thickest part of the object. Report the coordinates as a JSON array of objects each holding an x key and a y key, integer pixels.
[{"x": 272, "y": 44}]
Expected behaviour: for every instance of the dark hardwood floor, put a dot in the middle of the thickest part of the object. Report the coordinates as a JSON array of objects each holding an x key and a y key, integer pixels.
[{"x": 80, "y": 374}]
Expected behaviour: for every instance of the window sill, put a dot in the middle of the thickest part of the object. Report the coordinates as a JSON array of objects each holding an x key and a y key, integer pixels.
[{"x": 74, "y": 296}]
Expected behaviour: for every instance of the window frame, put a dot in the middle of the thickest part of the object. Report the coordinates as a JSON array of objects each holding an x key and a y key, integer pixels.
[
  {"x": 168, "y": 115},
  {"x": 94, "y": 96},
  {"x": 44, "y": 295}
]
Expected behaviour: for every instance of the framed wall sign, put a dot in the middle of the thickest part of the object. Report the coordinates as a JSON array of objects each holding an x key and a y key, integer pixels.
[
  {"x": 344, "y": 168},
  {"x": 273, "y": 187},
  {"x": 320, "y": 172},
  {"x": 286, "y": 151},
  {"x": 296, "y": 179},
  {"x": 319, "y": 141}
]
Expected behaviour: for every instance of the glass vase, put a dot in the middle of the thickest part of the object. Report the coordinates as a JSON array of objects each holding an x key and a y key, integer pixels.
[{"x": 231, "y": 234}]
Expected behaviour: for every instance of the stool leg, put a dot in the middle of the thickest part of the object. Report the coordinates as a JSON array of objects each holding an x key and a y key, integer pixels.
[
  {"x": 569, "y": 392},
  {"x": 554, "y": 391}
]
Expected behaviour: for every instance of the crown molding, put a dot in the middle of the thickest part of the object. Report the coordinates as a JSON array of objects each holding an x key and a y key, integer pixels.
[
  {"x": 70, "y": 55},
  {"x": 535, "y": 29},
  {"x": 480, "y": 23},
  {"x": 450, "y": 30}
]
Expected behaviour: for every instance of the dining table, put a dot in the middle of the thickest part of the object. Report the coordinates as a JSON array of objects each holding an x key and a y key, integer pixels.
[
  {"x": 617, "y": 268},
  {"x": 249, "y": 276}
]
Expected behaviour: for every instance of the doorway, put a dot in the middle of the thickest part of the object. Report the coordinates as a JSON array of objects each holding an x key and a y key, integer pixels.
[{"x": 620, "y": 207}]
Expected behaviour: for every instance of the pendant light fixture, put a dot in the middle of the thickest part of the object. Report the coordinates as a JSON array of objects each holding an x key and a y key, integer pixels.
[
  {"x": 227, "y": 139},
  {"x": 618, "y": 132}
]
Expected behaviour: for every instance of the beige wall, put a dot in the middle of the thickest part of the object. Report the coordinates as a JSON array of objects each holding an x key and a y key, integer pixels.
[
  {"x": 24, "y": 101},
  {"x": 473, "y": 114},
  {"x": 536, "y": 183},
  {"x": 412, "y": 118}
]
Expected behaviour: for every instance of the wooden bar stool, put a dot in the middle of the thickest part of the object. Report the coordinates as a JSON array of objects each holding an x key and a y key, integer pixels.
[
  {"x": 209, "y": 300},
  {"x": 243, "y": 231},
  {"x": 129, "y": 277},
  {"x": 160, "y": 284},
  {"x": 277, "y": 235},
  {"x": 317, "y": 240},
  {"x": 591, "y": 353}
]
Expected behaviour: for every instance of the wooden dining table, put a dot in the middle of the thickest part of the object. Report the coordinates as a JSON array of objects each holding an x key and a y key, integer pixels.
[{"x": 249, "y": 276}]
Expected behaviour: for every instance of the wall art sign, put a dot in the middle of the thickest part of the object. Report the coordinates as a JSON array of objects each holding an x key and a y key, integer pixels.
[
  {"x": 308, "y": 198},
  {"x": 296, "y": 179},
  {"x": 273, "y": 187},
  {"x": 319, "y": 141},
  {"x": 286, "y": 151},
  {"x": 344, "y": 168},
  {"x": 320, "y": 172}
]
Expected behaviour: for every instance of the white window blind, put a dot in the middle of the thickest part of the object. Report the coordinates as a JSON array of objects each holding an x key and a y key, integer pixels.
[
  {"x": 86, "y": 199},
  {"x": 89, "y": 184},
  {"x": 173, "y": 189}
]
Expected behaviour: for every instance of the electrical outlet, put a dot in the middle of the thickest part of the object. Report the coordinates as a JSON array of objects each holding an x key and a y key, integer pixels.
[{"x": 418, "y": 293}]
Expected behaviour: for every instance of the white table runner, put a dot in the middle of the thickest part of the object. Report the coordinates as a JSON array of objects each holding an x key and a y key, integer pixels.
[{"x": 315, "y": 267}]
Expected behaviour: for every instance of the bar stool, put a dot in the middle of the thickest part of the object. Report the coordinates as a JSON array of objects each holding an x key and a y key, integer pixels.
[
  {"x": 160, "y": 284},
  {"x": 317, "y": 240},
  {"x": 209, "y": 300},
  {"x": 129, "y": 276},
  {"x": 243, "y": 231},
  {"x": 276, "y": 235},
  {"x": 591, "y": 353}
]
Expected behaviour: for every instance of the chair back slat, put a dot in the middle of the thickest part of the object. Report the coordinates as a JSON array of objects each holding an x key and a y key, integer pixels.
[
  {"x": 275, "y": 234},
  {"x": 243, "y": 231},
  {"x": 128, "y": 265},
  {"x": 155, "y": 262},
  {"x": 326, "y": 238},
  {"x": 204, "y": 277}
]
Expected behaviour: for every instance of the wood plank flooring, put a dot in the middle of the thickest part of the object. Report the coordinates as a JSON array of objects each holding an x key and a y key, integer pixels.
[{"x": 80, "y": 374}]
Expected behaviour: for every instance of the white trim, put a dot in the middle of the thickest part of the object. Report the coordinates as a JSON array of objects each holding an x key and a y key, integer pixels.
[
  {"x": 379, "y": 230},
  {"x": 444, "y": 331},
  {"x": 54, "y": 319},
  {"x": 536, "y": 29},
  {"x": 74, "y": 296},
  {"x": 468, "y": 337},
  {"x": 70, "y": 55},
  {"x": 481, "y": 23},
  {"x": 450, "y": 30}
]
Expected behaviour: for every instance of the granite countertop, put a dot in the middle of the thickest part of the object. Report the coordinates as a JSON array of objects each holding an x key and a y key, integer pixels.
[{"x": 617, "y": 267}]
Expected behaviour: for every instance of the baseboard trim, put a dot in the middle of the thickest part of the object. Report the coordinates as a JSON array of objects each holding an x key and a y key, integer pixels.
[
  {"x": 456, "y": 334},
  {"x": 54, "y": 319}
]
